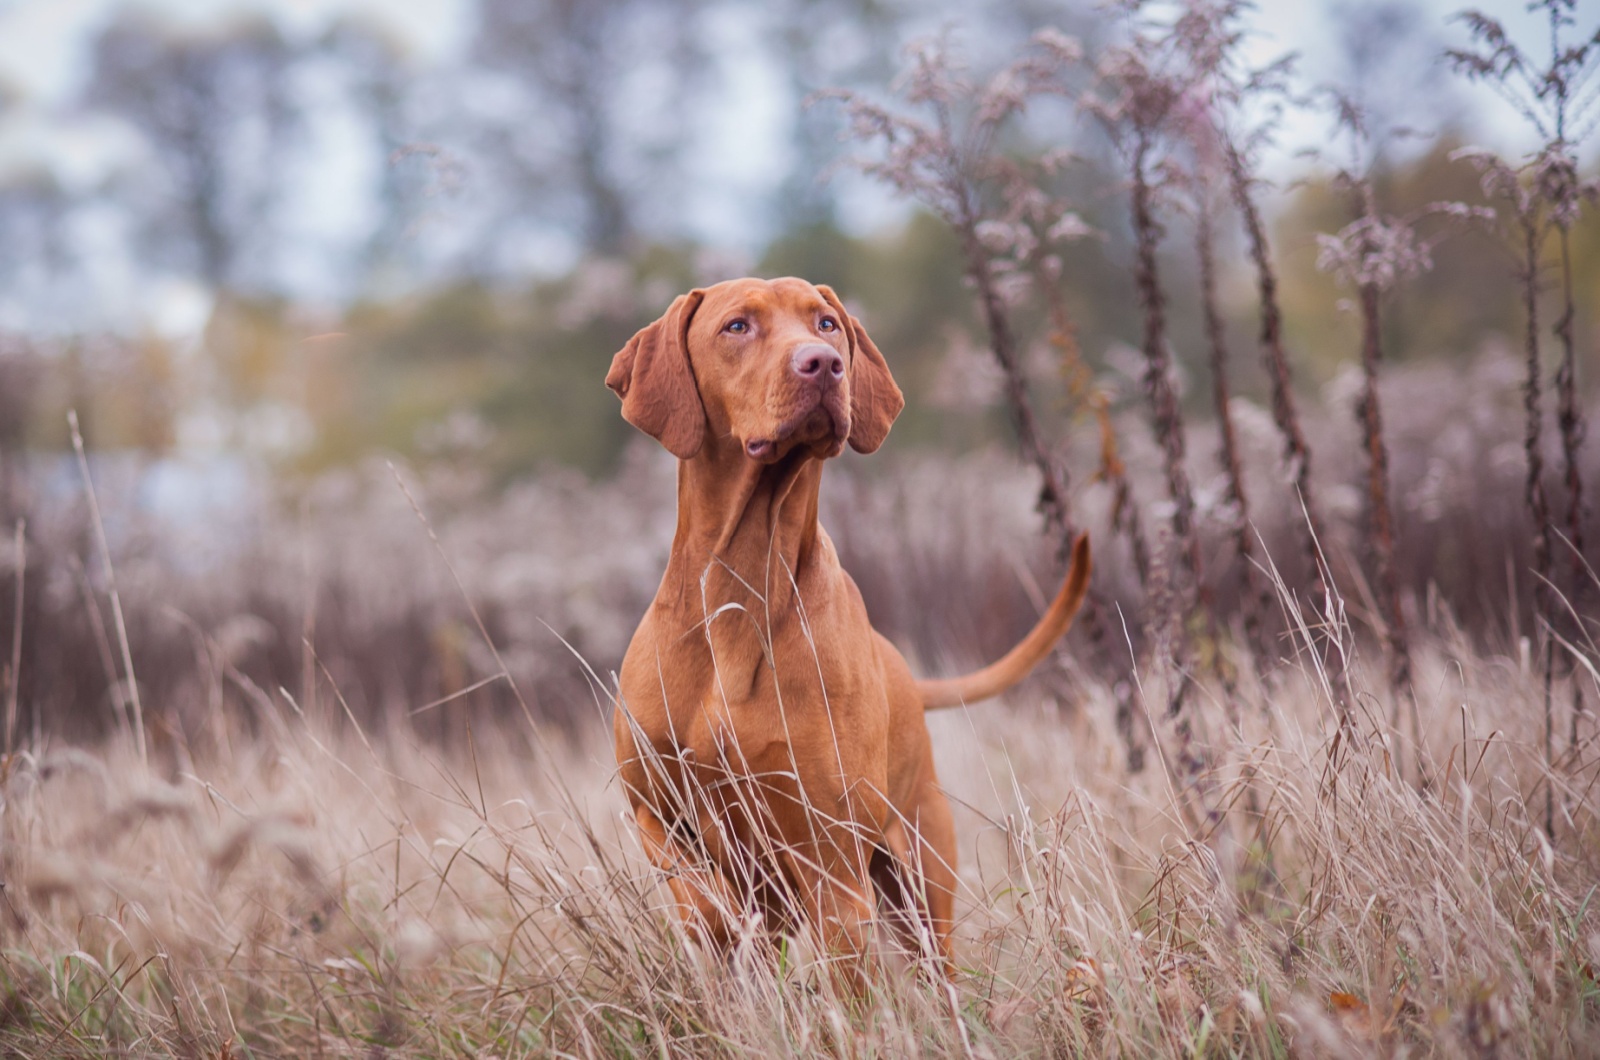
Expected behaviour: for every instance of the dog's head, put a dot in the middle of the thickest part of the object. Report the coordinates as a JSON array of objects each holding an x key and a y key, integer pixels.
[{"x": 766, "y": 365}]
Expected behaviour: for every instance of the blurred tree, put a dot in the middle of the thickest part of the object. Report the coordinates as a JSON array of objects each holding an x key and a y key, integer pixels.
[
  {"x": 607, "y": 101},
  {"x": 34, "y": 212},
  {"x": 1449, "y": 310},
  {"x": 499, "y": 382},
  {"x": 1386, "y": 61},
  {"x": 214, "y": 110},
  {"x": 823, "y": 44},
  {"x": 19, "y": 378},
  {"x": 378, "y": 79}
]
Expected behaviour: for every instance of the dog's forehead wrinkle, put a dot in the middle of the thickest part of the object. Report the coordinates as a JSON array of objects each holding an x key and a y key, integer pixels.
[
  {"x": 754, "y": 295},
  {"x": 747, "y": 307}
]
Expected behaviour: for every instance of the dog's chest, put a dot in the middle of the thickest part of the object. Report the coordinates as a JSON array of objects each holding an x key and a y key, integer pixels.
[
  {"x": 763, "y": 696},
  {"x": 750, "y": 737},
  {"x": 770, "y": 739}
]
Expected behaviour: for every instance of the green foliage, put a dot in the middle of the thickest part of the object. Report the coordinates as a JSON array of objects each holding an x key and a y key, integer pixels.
[
  {"x": 1447, "y": 312},
  {"x": 511, "y": 379},
  {"x": 507, "y": 380}
]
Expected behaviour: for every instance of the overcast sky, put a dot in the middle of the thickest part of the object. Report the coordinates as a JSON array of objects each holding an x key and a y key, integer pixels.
[
  {"x": 44, "y": 55},
  {"x": 44, "y": 43}
]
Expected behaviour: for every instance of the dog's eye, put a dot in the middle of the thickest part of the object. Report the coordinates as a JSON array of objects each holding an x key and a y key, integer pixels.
[
  {"x": 828, "y": 324},
  {"x": 737, "y": 327}
]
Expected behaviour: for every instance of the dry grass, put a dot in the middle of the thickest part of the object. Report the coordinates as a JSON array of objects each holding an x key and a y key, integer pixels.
[
  {"x": 332, "y": 874},
  {"x": 313, "y": 890},
  {"x": 947, "y": 552}
]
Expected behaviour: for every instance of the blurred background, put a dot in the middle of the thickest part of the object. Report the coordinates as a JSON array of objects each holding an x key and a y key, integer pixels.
[{"x": 266, "y": 249}]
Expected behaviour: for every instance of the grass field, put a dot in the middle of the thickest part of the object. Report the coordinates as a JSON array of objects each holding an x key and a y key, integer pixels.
[
  {"x": 305, "y": 754},
  {"x": 302, "y": 888}
]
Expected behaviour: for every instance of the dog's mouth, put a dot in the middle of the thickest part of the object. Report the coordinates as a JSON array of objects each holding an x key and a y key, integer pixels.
[{"x": 823, "y": 426}]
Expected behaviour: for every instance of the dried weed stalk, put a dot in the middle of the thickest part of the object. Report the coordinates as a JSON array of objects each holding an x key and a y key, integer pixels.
[
  {"x": 1207, "y": 37},
  {"x": 308, "y": 891},
  {"x": 1025, "y": 243},
  {"x": 1254, "y": 599},
  {"x": 945, "y": 156},
  {"x": 1374, "y": 254},
  {"x": 1139, "y": 87},
  {"x": 1232, "y": 90},
  {"x": 1559, "y": 98},
  {"x": 1242, "y": 104}
]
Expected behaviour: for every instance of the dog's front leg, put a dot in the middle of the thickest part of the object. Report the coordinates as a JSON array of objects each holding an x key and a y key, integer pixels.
[
  {"x": 837, "y": 895},
  {"x": 706, "y": 904}
]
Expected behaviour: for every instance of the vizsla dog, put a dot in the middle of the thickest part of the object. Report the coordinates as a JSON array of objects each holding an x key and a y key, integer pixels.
[{"x": 771, "y": 742}]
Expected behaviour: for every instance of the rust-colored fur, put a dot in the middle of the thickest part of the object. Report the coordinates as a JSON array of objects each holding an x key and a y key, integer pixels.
[{"x": 771, "y": 742}]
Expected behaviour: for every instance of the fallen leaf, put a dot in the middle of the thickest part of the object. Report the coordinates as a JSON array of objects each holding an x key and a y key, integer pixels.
[
  {"x": 1083, "y": 979},
  {"x": 1353, "y": 1013}
]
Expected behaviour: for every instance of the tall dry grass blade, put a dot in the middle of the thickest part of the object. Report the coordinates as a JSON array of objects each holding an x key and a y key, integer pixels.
[
  {"x": 472, "y": 608},
  {"x": 308, "y": 614},
  {"x": 453, "y": 696},
  {"x": 111, "y": 578},
  {"x": 102, "y": 639},
  {"x": 14, "y": 675}
]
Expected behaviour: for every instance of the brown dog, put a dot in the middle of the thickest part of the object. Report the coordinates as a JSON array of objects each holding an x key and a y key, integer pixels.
[{"x": 772, "y": 743}]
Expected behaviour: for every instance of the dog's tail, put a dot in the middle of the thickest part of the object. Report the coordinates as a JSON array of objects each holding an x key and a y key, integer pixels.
[{"x": 1015, "y": 664}]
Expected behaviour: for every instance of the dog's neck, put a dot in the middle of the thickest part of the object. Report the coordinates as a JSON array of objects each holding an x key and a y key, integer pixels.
[{"x": 749, "y": 529}]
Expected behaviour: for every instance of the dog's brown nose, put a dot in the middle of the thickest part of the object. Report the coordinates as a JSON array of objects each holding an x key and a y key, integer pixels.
[{"x": 817, "y": 362}]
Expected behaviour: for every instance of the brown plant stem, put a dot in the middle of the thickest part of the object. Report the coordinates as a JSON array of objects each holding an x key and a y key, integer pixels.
[
  {"x": 1158, "y": 369},
  {"x": 1125, "y": 521},
  {"x": 1297, "y": 453},
  {"x": 1063, "y": 337},
  {"x": 1124, "y": 509},
  {"x": 1053, "y": 489},
  {"x": 1570, "y": 418},
  {"x": 1380, "y": 513},
  {"x": 1183, "y": 596},
  {"x": 1003, "y": 344},
  {"x": 1538, "y": 503},
  {"x": 1052, "y": 502},
  {"x": 1570, "y": 422},
  {"x": 14, "y": 674},
  {"x": 1254, "y": 600}
]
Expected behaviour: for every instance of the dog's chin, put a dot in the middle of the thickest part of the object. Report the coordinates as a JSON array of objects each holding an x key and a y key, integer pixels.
[{"x": 821, "y": 431}]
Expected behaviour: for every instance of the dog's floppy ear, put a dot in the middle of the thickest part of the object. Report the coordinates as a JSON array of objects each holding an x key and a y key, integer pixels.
[
  {"x": 875, "y": 399},
  {"x": 652, "y": 376}
]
